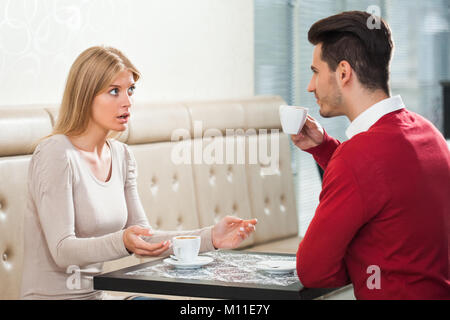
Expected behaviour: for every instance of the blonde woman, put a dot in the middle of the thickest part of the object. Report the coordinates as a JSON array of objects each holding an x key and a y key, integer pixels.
[{"x": 83, "y": 205}]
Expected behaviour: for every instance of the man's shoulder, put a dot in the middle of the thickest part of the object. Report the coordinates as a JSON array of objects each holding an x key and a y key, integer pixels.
[
  {"x": 381, "y": 134},
  {"x": 364, "y": 152},
  {"x": 362, "y": 142}
]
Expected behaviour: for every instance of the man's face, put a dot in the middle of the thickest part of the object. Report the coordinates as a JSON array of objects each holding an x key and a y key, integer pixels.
[{"x": 324, "y": 86}]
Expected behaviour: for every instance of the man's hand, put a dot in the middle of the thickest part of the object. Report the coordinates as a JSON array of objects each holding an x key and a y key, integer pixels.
[{"x": 310, "y": 136}]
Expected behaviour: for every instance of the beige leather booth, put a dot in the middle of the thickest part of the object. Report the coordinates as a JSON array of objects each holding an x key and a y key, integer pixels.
[{"x": 197, "y": 162}]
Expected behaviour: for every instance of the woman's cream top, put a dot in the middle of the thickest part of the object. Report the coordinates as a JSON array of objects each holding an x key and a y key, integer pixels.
[{"x": 76, "y": 222}]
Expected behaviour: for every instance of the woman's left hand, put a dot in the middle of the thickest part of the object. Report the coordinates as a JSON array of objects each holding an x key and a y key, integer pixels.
[{"x": 231, "y": 231}]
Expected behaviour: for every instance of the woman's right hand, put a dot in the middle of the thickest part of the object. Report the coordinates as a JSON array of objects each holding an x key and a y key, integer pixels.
[
  {"x": 135, "y": 244},
  {"x": 310, "y": 136}
]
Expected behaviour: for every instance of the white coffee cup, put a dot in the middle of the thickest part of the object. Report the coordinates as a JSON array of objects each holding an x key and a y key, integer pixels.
[
  {"x": 292, "y": 118},
  {"x": 186, "y": 248}
]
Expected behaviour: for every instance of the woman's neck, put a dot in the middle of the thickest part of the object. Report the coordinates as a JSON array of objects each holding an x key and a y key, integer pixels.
[{"x": 92, "y": 140}]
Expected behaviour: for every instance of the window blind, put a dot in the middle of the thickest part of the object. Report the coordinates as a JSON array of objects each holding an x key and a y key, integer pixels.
[{"x": 283, "y": 57}]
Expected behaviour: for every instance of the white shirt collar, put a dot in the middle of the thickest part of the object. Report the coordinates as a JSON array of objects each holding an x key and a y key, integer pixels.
[{"x": 367, "y": 118}]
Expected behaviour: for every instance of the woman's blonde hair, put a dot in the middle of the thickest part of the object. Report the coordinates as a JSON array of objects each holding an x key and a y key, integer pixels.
[{"x": 91, "y": 73}]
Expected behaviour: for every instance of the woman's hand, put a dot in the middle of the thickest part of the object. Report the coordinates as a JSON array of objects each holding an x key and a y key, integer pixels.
[
  {"x": 310, "y": 136},
  {"x": 134, "y": 243},
  {"x": 231, "y": 231}
]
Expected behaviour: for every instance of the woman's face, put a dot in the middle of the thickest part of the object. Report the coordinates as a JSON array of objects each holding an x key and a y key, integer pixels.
[{"x": 111, "y": 108}]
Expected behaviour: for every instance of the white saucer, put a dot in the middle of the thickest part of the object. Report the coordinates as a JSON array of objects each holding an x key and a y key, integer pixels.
[
  {"x": 276, "y": 266},
  {"x": 199, "y": 262}
]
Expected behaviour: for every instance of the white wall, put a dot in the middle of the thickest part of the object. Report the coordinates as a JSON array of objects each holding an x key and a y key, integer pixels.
[{"x": 185, "y": 49}]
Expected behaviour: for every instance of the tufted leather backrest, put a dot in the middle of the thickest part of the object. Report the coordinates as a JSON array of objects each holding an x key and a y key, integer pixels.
[
  {"x": 196, "y": 164},
  {"x": 13, "y": 178},
  {"x": 19, "y": 130},
  {"x": 166, "y": 190}
]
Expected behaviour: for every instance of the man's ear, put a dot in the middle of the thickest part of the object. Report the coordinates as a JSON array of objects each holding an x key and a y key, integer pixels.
[{"x": 344, "y": 73}]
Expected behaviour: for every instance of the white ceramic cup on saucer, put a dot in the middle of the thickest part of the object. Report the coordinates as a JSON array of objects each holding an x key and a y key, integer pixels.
[
  {"x": 186, "y": 248},
  {"x": 292, "y": 118}
]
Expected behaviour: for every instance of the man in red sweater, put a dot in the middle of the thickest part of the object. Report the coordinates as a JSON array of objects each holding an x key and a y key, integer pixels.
[{"x": 382, "y": 223}]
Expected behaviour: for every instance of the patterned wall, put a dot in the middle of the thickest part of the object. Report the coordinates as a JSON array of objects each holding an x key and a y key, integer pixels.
[{"x": 198, "y": 49}]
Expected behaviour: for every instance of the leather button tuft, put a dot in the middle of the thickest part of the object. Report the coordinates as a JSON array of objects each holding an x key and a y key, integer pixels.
[
  {"x": 217, "y": 214},
  {"x": 230, "y": 174},
  {"x": 261, "y": 173},
  {"x": 282, "y": 203},
  {"x": 153, "y": 186},
  {"x": 175, "y": 183},
  {"x": 212, "y": 176},
  {"x": 2, "y": 213}
]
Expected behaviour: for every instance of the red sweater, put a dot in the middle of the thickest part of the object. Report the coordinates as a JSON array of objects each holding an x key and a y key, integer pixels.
[{"x": 385, "y": 203}]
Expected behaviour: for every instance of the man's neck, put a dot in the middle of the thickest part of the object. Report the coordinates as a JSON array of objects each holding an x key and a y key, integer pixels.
[{"x": 359, "y": 103}]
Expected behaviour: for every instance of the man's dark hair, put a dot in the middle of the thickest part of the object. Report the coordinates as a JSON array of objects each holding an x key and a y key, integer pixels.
[{"x": 346, "y": 36}]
